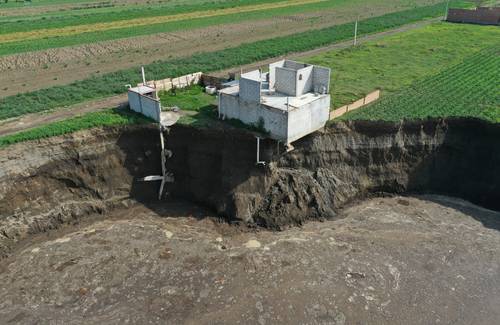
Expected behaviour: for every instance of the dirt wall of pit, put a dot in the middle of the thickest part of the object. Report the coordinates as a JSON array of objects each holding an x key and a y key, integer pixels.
[
  {"x": 46, "y": 183},
  {"x": 459, "y": 157}
]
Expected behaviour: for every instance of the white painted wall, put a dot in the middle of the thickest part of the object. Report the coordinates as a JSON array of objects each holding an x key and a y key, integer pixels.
[
  {"x": 250, "y": 90},
  {"x": 272, "y": 72},
  {"x": 308, "y": 118},
  {"x": 144, "y": 105},
  {"x": 304, "y": 80},
  {"x": 321, "y": 77},
  {"x": 286, "y": 81},
  {"x": 275, "y": 120}
]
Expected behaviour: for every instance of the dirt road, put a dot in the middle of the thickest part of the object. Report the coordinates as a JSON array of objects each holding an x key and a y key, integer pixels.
[{"x": 400, "y": 260}]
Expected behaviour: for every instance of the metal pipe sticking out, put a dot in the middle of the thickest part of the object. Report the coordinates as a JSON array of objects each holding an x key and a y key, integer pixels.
[
  {"x": 218, "y": 104},
  {"x": 259, "y": 162}
]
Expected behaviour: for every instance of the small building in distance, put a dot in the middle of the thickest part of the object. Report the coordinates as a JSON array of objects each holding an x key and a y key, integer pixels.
[
  {"x": 480, "y": 15},
  {"x": 290, "y": 101},
  {"x": 144, "y": 100}
]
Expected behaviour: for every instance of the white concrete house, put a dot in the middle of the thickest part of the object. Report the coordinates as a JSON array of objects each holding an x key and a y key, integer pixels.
[{"x": 290, "y": 101}]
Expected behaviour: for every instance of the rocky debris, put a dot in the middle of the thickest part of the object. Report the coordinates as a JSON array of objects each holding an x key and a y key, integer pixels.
[{"x": 435, "y": 259}]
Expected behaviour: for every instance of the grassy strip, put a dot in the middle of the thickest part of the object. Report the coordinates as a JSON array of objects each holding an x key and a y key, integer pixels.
[
  {"x": 87, "y": 121},
  {"x": 190, "y": 99},
  {"x": 27, "y": 45},
  {"x": 397, "y": 61},
  {"x": 113, "y": 83},
  {"x": 469, "y": 89}
]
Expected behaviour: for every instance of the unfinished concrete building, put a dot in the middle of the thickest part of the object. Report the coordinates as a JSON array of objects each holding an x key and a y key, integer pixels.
[{"x": 290, "y": 101}]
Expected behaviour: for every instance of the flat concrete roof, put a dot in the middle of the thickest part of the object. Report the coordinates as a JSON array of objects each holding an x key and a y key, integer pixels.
[
  {"x": 278, "y": 100},
  {"x": 233, "y": 90},
  {"x": 142, "y": 90}
]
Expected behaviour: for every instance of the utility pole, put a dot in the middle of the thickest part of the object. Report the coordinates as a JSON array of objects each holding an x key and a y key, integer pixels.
[
  {"x": 446, "y": 13},
  {"x": 356, "y": 31},
  {"x": 143, "y": 76}
]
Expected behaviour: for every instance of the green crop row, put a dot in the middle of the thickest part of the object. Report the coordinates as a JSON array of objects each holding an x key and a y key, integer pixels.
[
  {"x": 44, "y": 43},
  {"x": 87, "y": 121},
  {"x": 469, "y": 89},
  {"x": 113, "y": 83},
  {"x": 126, "y": 13}
]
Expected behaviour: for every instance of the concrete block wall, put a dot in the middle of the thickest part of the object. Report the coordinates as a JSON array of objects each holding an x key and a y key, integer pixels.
[
  {"x": 286, "y": 81},
  {"x": 304, "y": 80},
  {"x": 370, "y": 98},
  {"x": 482, "y": 16},
  {"x": 250, "y": 90},
  {"x": 179, "y": 82},
  {"x": 252, "y": 75},
  {"x": 145, "y": 105},
  {"x": 308, "y": 118},
  {"x": 251, "y": 113},
  {"x": 294, "y": 65},
  {"x": 272, "y": 72},
  {"x": 321, "y": 77},
  {"x": 134, "y": 102}
]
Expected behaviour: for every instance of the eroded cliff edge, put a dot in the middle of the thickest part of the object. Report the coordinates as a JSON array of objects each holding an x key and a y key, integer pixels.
[
  {"x": 57, "y": 180},
  {"x": 457, "y": 157}
]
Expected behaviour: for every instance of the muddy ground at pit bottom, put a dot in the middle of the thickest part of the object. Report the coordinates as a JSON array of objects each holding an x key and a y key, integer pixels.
[{"x": 394, "y": 260}]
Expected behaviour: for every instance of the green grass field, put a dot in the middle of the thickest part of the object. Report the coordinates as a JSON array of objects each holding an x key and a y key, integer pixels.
[
  {"x": 468, "y": 89},
  {"x": 190, "y": 99},
  {"x": 201, "y": 106},
  {"x": 113, "y": 83},
  {"x": 90, "y": 120},
  {"x": 394, "y": 62}
]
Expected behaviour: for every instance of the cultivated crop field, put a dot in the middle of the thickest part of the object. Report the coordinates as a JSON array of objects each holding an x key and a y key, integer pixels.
[
  {"x": 391, "y": 64},
  {"x": 50, "y": 43},
  {"x": 468, "y": 89},
  {"x": 113, "y": 83}
]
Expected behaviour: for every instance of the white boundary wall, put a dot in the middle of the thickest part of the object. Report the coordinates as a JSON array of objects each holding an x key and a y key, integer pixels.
[
  {"x": 145, "y": 105},
  {"x": 169, "y": 83}
]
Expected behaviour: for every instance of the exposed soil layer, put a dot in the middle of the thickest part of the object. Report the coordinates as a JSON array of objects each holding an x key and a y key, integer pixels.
[
  {"x": 59, "y": 180},
  {"x": 401, "y": 260},
  {"x": 458, "y": 157}
]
